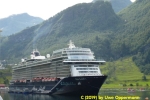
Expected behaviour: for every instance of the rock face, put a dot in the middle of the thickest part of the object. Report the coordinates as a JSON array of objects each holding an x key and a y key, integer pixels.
[{"x": 118, "y": 5}]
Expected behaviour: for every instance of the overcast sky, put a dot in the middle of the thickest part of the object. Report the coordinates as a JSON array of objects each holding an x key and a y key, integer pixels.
[{"x": 39, "y": 8}]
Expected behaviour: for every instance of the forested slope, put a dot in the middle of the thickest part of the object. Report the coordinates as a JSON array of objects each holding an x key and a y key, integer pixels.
[
  {"x": 92, "y": 25},
  {"x": 81, "y": 23}
]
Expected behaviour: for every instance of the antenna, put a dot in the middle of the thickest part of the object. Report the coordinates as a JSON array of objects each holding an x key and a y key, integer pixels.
[{"x": 71, "y": 44}]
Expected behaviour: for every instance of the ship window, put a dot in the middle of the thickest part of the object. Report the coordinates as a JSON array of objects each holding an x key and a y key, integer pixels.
[
  {"x": 90, "y": 65},
  {"x": 36, "y": 53},
  {"x": 95, "y": 65},
  {"x": 64, "y": 55},
  {"x": 80, "y": 57},
  {"x": 88, "y": 71},
  {"x": 86, "y": 68},
  {"x": 78, "y": 51},
  {"x": 79, "y": 54},
  {"x": 76, "y": 66},
  {"x": 83, "y": 65}
]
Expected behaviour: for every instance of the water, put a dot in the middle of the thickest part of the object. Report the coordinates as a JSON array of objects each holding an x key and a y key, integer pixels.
[{"x": 104, "y": 95}]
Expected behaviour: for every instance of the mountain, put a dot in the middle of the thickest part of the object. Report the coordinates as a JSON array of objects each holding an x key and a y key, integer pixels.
[
  {"x": 135, "y": 33},
  {"x": 82, "y": 23},
  {"x": 118, "y": 5},
  {"x": 16, "y": 23},
  {"x": 131, "y": 38},
  {"x": 93, "y": 25}
]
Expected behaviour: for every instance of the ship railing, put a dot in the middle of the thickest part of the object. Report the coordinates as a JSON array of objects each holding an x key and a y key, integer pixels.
[
  {"x": 45, "y": 61},
  {"x": 38, "y": 62},
  {"x": 89, "y": 74},
  {"x": 84, "y": 60},
  {"x": 78, "y": 52}
]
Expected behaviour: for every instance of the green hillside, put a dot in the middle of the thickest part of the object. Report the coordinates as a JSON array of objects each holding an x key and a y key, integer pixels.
[
  {"x": 123, "y": 71},
  {"x": 81, "y": 23},
  {"x": 5, "y": 75},
  {"x": 110, "y": 36},
  {"x": 135, "y": 33}
]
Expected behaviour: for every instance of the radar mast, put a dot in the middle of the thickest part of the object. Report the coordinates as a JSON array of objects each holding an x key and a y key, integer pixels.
[{"x": 71, "y": 44}]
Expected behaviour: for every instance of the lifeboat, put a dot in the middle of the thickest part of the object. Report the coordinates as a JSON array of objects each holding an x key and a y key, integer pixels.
[
  {"x": 17, "y": 81},
  {"x": 39, "y": 79},
  {"x": 34, "y": 79},
  {"x": 20, "y": 81},
  {"x": 49, "y": 79},
  {"x": 54, "y": 79},
  {"x": 24, "y": 81},
  {"x": 43, "y": 79}
]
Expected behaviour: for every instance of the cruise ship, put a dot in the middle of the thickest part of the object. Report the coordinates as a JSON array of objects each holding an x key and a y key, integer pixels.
[{"x": 73, "y": 70}]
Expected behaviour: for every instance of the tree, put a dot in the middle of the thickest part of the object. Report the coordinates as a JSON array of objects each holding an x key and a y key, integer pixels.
[
  {"x": 144, "y": 78},
  {"x": 131, "y": 84},
  {"x": 137, "y": 84}
]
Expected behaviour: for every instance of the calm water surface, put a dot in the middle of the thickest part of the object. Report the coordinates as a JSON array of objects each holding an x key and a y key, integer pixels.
[{"x": 105, "y": 94}]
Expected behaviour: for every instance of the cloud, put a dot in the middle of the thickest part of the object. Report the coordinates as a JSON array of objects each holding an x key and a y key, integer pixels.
[{"x": 40, "y": 8}]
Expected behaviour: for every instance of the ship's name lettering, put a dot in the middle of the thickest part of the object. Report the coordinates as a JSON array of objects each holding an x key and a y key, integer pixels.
[
  {"x": 80, "y": 79},
  {"x": 67, "y": 83}
]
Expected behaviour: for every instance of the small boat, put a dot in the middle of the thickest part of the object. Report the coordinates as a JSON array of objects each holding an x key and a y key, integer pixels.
[
  {"x": 142, "y": 89},
  {"x": 130, "y": 90},
  {"x": 26, "y": 91}
]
